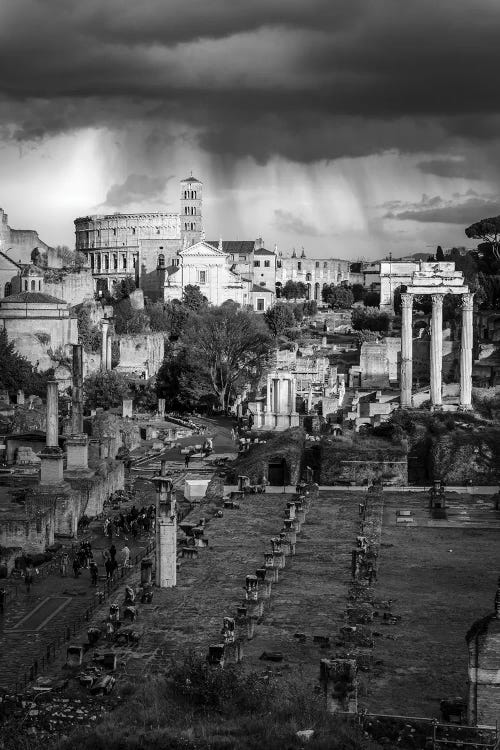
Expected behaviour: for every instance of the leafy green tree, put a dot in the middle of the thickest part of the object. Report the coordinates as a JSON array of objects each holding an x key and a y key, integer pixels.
[
  {"x": 294, "y": 290},
  {"x": 193, "y": 298},
  {"x": 159, "y": 318},
  {"x": 370, "y": 319},
  {"x": 231, "y": 347},
  {"x": 105, "y": 389},
  {"x": 310, "y": 308},
  {"x": 89, "y": 333},
  {"x": 298, "y": 312},
  {"x": 372, "y": 299},
  {"x": 279, "y": 318},
  {"x": 183, "y": 382},
  {"x": 487, "y": 230},
  {"x": 439, "y": 254},
  {"x": 124, "y": 288},
  {"x": 338, "y": 297},
  {"x": 17, "y": 373},
  {"x": 358, "y": 292}
]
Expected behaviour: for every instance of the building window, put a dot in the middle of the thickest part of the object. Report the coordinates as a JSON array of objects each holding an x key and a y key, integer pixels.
[
  {"x": 134, "y": 261},
  {"x": 161, "y": 247},
  {"x": 7, "y": 289},
  {"x": 124, "y": 261},
  {"x": 161, "y": 261},
  {"x": 325, "y": 264},
  {"x": 267, "y": 264},
  {"x": 115, "y": 262},
  {"x": 317, "y": 264},
  {"x": 92, "y": 262},
  {"x": 133, "y": 230},
  {"x": 106, "y": 262},
  {"x": 278, "y": 264},
  {"x": 176, "y": 262},
  {"x": 185, "y": 226},
  {"x": 26, "y": 285},
  {"x": 192, "y": 226},
  {"x": 98, "y": 263},
  {"x": 299, "y": 265},
  {"x": 256, "y": 263},
  {"x": 114, "y": 232},
  {"x": 260, "y": 305},
  {"x": 39, "y": 286},
  {"x": 203, "y": 277},
  {"x": 186, "y": 210}
]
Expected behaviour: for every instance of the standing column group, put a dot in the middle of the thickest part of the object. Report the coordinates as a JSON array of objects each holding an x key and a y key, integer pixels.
[{"x": 436, "y": 351}]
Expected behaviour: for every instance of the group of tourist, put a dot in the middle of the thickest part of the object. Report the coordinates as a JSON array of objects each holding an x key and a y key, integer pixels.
[{"x": 134, "y": 522}]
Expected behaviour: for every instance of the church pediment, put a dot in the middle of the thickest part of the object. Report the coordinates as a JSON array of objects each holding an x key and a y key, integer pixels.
[{"x": 202, "y": 250}]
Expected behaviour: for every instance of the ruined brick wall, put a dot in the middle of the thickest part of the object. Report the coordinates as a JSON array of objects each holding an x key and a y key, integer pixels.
[
  {"x": 140, "y": 353},
  {"x": 341, "y": 463},
  {"x": 73, "y": 288},
  {"x": 91, "y": 493},
  {"x": 484, "y": 672}
]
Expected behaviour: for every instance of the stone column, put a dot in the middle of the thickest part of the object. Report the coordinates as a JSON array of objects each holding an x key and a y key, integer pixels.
[
  {"x": 77, "y": 392},
  {"x": 436, "y": 350},
  {"x": 104, "y": 344},
  {"x": 406, "y": 349},
  {"x": 294, "y": 395},
  {"x": 52, "y": 457},
  {"x": 77, "y": 442},
  {"x": 52, "y": 430},
  {"x": 466, "y": 353},
  {"x": 166, "y": 531},
  {"x": 268, "y": 399},
  {"x": 276, "y": 395},
  {"x": 109, "y": 344}
]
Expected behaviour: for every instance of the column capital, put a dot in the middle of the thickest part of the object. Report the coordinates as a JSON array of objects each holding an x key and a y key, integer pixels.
[
  {"x": 437, "y": 300},
  {"x": 467, "y": 301},
  {"x": 406, "y": 300}
]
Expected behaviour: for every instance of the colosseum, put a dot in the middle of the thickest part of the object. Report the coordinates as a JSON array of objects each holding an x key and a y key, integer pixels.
[{"x": 142, "y": 245}]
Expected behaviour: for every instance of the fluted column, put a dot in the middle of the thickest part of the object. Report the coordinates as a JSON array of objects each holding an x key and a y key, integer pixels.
[
  {"x": 109, "y": 344},
  {"x": 466, "y": 352},
  {"x": 52, "y": 429},
  {"x": 406, "y": 349},
  {"x": 268, "y": 399},
  {"x": 436, "y": 349},
  {"x": 77, "y": 392}
]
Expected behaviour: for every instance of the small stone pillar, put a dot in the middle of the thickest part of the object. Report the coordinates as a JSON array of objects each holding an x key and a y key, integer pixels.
[
  {"x": 251, "y": 588},
  {"x": 278, "y": 554},
  {"x": 52, "y": 457},
  {"x": 264, "y": 584},
  {"x": 161, "y": 408},
  {"x": 269, "y": 564},
  {"x": 127, "y": 409},
  {"x": 338, "y": 679},
  {"x": 290, "y": 510}
]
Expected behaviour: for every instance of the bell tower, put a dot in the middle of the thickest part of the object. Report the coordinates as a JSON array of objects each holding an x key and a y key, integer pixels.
[{"x": 191, "y": 211}]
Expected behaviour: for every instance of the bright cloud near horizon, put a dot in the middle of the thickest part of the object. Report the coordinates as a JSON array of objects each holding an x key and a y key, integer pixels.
[{"x": 347, "y": 128}]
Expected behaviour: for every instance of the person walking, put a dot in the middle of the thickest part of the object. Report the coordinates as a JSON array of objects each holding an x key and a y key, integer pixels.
[
  {"x": 186, "y": 461},
  {"x": 28, "y": 576},
  {"x": 64, "y": 564},
  {"x": 126, "y": 556},
  {"x": 112, "y": 552},
  {"x": 94, "y": 572},
  {"x": 76, "y": 567}
]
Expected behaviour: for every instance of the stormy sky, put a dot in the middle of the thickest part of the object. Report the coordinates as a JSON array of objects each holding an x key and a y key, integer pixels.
[{"x": 350, "y": 129}]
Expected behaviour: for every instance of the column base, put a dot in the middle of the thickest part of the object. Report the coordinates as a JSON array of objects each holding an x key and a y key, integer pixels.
[
  {"x": 465, "y": 407},
  {"x": 436, "y": 407}
]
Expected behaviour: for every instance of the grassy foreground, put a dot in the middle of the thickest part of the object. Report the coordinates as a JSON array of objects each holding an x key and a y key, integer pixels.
[{"x": 198, "y": 707}]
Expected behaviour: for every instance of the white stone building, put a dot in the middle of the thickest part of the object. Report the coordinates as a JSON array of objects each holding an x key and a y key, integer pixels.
[{"x": 315, "y": 273}]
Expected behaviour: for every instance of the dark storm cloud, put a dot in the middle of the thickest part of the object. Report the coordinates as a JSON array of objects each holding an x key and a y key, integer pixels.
[
  {"x": 463, "y": 209},
  {"x": 137, "y": 187},
  {"x": 286, "y": 221},
  {"x": 305, "y": 80},
  {"x": 452, "y": 168}
]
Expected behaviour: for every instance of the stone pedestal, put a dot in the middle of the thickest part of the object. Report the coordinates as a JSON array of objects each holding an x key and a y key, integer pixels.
[
  {"x": 77, "y": 451},
  {"x": 436, "y": 350},
  {"x": 127, "y": 407},
  {"x": 52, "y": 466}
]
